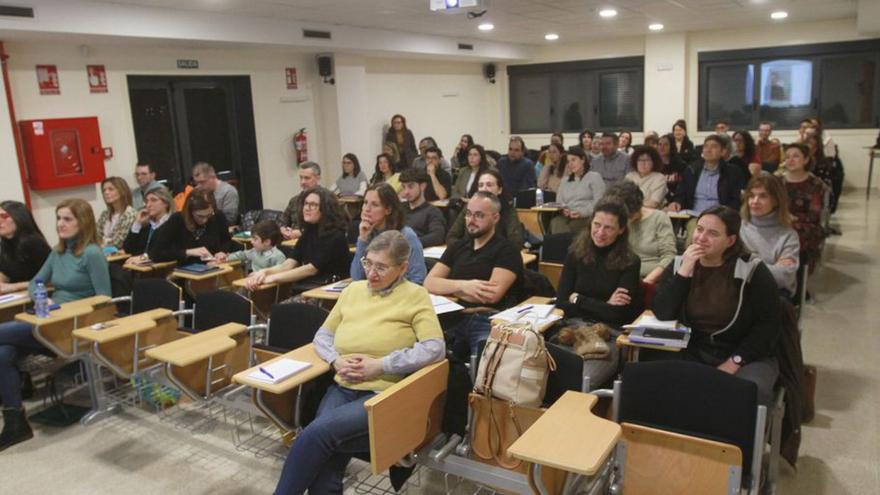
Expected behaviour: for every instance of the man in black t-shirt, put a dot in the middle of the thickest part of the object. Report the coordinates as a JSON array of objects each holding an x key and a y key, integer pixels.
[
  {"x": 484, "y": 271},
  {"x": 439, "y": 180}
]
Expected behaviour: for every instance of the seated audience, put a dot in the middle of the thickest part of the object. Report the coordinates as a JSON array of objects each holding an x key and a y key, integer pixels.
[
  {"x": 766, "y": 230},
  {"x": 157, "y": 210},
  {"x": 423, "y": 217},
  {"x": 578, "y": 193},
  {"x": 684, "y": 147},
  {"x": 651, "y": 236},
  {"x": 114, "y": 222},
  {"x": 23, "y": 249},
  {"x": 459, "y": 158},
  {"x": 382, "y": 211},
  {"x": 544, "y": 158},
  {"x": 518, "y": 171},
  {"x": 393, "y": 153},
  {"x": 145, "y": 176},
  {"x": 225, "y": 195},
  {"x": 309, "y": 174},
  {"x": 624, "y": 142},
  {"x": 421, "y": 161},
  {"x": 439, "y": 180},
  {"x": 806, "y": 200},
  {"x": 730, "y": 303},
  {"x": 746, "y": 159},
  {"x": 672, "y": 167},
  {"x": 193, "y": 235},
  {"x": 483, "y": 271},
  {"x": 554, "y": 168},
  {"x": 386, "y": 173},
  {"x": 769, "y": 149},
  {"x": 509, "y": 227},
  {"x": 709, "y": 182},
  {"x": 600, "y": 275},
  {"x": 402, "y": 138},
  {"x": 371, "y": 342},
  {"x": 613, "y": 164},
  {"x": 352, "y": 182},
  {"x": 264, "y": 253},
  {"x": 595, "y": 149},
  {"x": 646, "y": 166},
  {"x": 477, "y": 164},
  {"x": 76, "y": 269},
  {"x": 585, "y": 141},
  {"x": 321, "y": 254}
]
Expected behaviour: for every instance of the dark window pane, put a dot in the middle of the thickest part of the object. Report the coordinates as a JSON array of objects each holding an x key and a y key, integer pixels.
[
  {"x": 619, "y": 94},
  {"x": 786, "y": 92},
  {"x": 530, "y": 104},
  {"x": 573, "y": 97},
  {"x": 847, "y": 91},
  {"x": 729, "y": 94}
]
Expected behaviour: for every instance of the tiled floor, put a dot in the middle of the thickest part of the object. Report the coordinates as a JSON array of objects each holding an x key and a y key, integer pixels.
[{"x": 840, "y": 453}]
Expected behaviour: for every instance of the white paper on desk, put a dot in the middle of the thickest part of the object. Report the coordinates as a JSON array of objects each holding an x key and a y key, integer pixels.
[
  {"x": 12, "y": 297},
  {"x": 651, "y": 321},
  {"x": 280, "y": 370},
  {"x": 538, "y": 314},
  {"x": 434, "y": 252},
  {"x": 444, "y": 305}
]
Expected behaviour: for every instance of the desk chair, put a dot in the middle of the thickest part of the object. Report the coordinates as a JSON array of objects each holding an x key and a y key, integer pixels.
[
  {"x": 212, "y": 309},
  {"x": 152, "y": 293},
  {"x": 689, "y": 428}
]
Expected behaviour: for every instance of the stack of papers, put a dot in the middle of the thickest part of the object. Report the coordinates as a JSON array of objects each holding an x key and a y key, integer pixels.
[
  {"x": 536, "y": 314},
  {"x": 648, "y": 330},
  {"x": 12, "y": 297},
  {"x": 278, "y": 371},
  {"x": 434, "y": 252},
  {"x": 444, "y": 305}
]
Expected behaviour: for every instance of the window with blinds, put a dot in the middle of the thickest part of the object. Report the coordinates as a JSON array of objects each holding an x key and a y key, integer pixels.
[
  {"x": 784, "y": 85},
  {"x": 601, "y": 95}
]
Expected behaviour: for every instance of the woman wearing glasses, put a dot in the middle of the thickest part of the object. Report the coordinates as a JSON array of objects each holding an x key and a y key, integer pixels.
[
  {"x": 381, "y": 212},
  {"x": 194, "y": 234},
  {"x": 321, "y": 253},
  {"x": 381, "y": 329}
]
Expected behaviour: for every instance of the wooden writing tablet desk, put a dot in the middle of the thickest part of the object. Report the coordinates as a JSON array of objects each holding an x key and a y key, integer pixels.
[
  {"x": 539, "y": 300},
  {"x": 322, "y": 294},
  {"x": 305, "y": 353},
  {"x": 631, "y": 349},
  {"x": 120, "y": 343},
  {"x": 193, "y": 363},
  {"x": 9, "y": 309},
  {"x": 196, "y": 283},
  {"x": 153, "y": 269},
  {"x": 118, "y": 257},
  {"x": 569, "y": 437},
  {"x": 56, "y": 331}
]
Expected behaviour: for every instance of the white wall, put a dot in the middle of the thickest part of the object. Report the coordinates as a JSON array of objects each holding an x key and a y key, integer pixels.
[
  {"x": 10, "y": 186},
  {"x": 276, "y": 116}
]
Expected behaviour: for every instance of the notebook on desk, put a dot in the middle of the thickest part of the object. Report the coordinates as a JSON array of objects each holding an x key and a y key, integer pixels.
[
  {"x": 279, "y": 370},
  {"x": 197, "y": 268},
  {"x": 648, "y": 330}
]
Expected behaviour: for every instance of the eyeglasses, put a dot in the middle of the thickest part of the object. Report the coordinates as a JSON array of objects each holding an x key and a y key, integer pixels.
[
  {"x": 381, "y": 270},
  {"x": 479, "y": 215},
  {"x": 310, "y": 205}
]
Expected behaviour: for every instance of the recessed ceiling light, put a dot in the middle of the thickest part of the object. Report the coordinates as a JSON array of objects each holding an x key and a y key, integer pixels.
[
  {"x": 551, "y": 36},
  {"x": 655, "y": 27},
  {"x": 779, "y": 14},
  {"x": 486, "y": 26},
  {"x": 607, "y": 13}
]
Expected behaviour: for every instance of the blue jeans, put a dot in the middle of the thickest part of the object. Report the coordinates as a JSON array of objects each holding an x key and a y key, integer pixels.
[
  {"x": 321, "y": 452},
  {"x": 16, "y": 341},
  {"x": 467, "y": 332}
]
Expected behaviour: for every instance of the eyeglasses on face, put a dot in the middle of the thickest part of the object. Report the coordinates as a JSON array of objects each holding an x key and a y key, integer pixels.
[
  {"x": 311, "y": 205},
  {"x": 479, "y": 215},
  {"x": 381, "y": 269}
]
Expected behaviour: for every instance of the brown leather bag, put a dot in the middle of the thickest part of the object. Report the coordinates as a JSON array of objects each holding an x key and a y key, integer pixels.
[{"x": 495, "y": 425}]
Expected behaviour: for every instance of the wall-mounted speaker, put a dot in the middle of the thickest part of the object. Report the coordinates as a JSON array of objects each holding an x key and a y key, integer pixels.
[
  {"x": 325, "y": 68},
  {"x": 489, "y": 72}
]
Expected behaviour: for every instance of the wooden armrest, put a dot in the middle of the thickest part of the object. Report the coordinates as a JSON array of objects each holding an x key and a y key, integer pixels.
[
  {"x": 406, "y": 415},
  {"x": 305, "y": 353},
  {"x": 123, "y": 327},
  {"x": 194, "y": 348}
]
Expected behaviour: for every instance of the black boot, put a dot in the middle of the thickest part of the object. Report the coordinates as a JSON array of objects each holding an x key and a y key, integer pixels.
[{"x": 15, "y": 428}]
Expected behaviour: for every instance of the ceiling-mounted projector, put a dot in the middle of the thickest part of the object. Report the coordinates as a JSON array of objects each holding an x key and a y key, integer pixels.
[{"x": 454, "y": 5}]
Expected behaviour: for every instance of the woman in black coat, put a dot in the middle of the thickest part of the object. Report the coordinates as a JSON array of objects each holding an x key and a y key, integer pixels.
[
  {"x": 193, "y": 235},
  {"x": 23, "y": 249}
]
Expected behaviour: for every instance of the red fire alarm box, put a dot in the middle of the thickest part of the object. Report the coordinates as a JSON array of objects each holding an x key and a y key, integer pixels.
[{"x": 62, "y": 152}]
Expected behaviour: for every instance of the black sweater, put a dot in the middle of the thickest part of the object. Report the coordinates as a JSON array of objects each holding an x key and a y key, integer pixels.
[
  {"x": 22, "y": 258},
  {"x": 595, "y": 283},
  {"x": 172, "y": 240},
  {"x": 754, "y": 333}
]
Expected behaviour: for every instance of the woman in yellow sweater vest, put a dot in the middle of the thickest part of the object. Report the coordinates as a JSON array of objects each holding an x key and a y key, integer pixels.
[{"x": 380, "y": 330}]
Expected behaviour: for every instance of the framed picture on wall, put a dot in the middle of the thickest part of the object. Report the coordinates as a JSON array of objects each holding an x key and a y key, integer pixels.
[{"x": 47, "y": 80}]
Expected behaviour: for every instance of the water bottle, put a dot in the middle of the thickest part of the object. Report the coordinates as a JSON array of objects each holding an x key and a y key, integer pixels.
[
  {"x": 41, "y": 299},
  {"x": 539, "y": 197}
]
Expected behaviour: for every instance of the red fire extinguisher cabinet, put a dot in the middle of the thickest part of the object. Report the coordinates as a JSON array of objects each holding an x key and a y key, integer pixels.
[{"x": 62, "y": 152}]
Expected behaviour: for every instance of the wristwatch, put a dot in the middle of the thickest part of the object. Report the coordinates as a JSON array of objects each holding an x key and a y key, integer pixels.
[{"x": 737, "y": 359}]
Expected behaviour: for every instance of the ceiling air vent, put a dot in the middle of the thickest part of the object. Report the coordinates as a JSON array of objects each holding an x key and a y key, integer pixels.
[
  {"x": 465, "y": 46},
  {"x": 9, "y": 11},
  {"x": 311, "y": 33}
]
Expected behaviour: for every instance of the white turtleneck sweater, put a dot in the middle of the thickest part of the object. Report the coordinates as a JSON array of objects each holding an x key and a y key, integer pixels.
[{"x": 770, "y": 241}]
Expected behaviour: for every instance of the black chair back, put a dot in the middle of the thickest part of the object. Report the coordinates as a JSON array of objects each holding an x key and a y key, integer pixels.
[
  {"x": 293, "y": 325},
  {"x": 567, "y": 376},
  {"x": 152, "y": 293},
  {"x": 525, "y": 198},
  {"x": 555, "y": 247},
  {"x": 692, "y": 399},
  {"x": 213, "y": 309}
]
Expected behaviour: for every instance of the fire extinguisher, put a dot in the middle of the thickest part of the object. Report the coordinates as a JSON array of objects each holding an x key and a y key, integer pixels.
[{"x": 301, "y": 145}]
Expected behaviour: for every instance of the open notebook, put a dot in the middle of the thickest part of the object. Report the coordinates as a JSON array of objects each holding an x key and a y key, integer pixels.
[{"x": 279, "y": 370}]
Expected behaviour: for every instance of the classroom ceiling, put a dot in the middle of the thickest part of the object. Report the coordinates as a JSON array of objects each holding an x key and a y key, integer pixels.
[{"x": 526, "y": 21}]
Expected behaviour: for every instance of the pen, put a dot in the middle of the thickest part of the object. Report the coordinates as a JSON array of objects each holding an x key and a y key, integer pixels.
[
  {"x": 524, "y": 309},
  {"x": 263, "y": 371}
]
